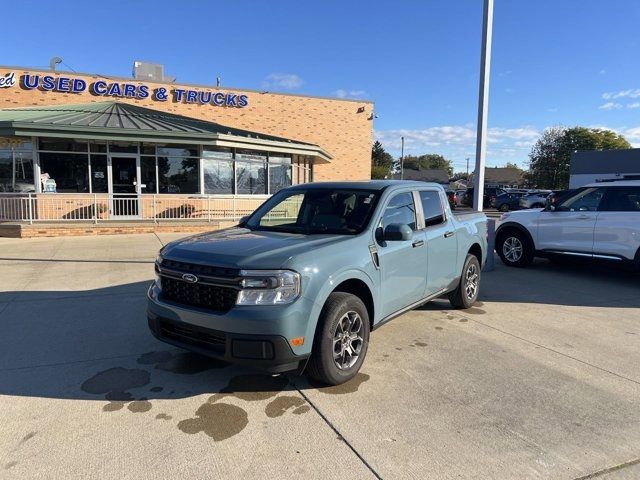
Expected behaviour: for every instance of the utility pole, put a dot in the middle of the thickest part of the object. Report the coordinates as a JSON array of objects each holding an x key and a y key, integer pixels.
[
  {"x": 483, "y": 104},
  {"x": 467, "y": 171},
  {"x": 402, "y": 159}
]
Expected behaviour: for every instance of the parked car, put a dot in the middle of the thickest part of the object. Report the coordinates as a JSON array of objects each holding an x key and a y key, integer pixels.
[
  {"x": 304, "y": 279},
  {"x": 534, "y": 200},
  {"x": 489, "y": 194},
  {"x": 507, "y": 201},
  {"x": 600, "y": 222},
  {"x": 460, "y": 194},
  {"x": 453, "y": 199}
]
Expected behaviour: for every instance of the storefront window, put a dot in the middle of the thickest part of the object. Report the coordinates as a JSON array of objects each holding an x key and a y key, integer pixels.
[
  {"x": 148, "y": 174},
  {"x": 218, "y": 176},
  {"x": 63, "y": 145},
  {"x": 279, "y": 172},
  {"x": 99, "y": 178},
  {"x": 98, "y": 147},
  {"x": 69, "y": 171},
  {"x": 218, "y": 170},
  {"x": 251, "y": 172},
  {"x": 179, "y": 175},
  {"x": 123, "y": 147},
  {"x": 16, "y": 171},
  {"x": 178, "y": 150}
]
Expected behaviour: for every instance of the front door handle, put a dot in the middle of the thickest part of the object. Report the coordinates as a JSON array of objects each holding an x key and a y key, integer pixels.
[
  {"x": 583, "y": 217},
  {"x": 417, "y": 243},
  {"x": 449, "y": 234}
]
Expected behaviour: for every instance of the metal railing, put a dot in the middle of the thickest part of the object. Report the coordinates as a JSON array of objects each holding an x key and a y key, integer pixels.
[{"x": 34, "y": 207}]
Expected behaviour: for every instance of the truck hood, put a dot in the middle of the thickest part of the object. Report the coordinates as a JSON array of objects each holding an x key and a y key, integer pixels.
[{"x": 242, "y": 248}]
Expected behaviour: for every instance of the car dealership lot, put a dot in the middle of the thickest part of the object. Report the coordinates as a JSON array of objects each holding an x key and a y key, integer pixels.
[{"x": 540, "y": 380}]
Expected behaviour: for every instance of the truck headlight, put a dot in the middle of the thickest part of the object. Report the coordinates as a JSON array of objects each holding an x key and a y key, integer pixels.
[{"x": 268, "y": 287}]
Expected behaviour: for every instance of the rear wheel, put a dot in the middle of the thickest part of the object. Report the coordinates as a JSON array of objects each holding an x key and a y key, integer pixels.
[
  {"x": 514, "y": 249},
  {"x": 341, "y": 341},
  {"x": 504, "y": 207},
  {"x": 469, "y": 287}
]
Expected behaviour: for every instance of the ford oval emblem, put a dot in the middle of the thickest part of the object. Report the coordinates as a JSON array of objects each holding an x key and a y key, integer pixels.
[{"x": 188, "y": 277}]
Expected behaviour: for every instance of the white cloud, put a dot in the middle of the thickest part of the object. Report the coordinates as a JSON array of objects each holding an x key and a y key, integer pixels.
[
  {"x": 289, "y": 81},
  {"x": 631, "y": 93},
  {"x": 457, "y": 142},
  {"x": 633, "y": 105},
  {"x": 341, "y": 93},
  {"x": 610, "y": 106}
]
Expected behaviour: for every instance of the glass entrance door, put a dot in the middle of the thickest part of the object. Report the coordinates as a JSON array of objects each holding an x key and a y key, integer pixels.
[{"x": 125, "y": 186}]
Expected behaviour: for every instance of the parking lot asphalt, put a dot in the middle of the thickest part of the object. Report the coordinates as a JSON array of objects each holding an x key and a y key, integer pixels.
[{"x": 540, "y": 380}]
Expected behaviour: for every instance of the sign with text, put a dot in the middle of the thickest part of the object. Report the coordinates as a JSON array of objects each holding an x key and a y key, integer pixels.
[{"x": 104, "y": 88}]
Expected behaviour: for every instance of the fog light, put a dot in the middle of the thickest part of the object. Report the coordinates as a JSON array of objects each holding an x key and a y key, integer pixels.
[{"x": 297, "y": 342}]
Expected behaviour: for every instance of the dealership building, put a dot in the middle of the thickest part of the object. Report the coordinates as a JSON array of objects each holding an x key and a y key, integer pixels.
[{"x": 90, "y": 149}]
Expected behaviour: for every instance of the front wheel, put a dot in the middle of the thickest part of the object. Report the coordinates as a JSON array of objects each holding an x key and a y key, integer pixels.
[
  {"x": 514, "y": 249},
  {"x": 341, "y": 341},
  {"x": 504, "y": 207},
  {"x": 469, "y": 287}
]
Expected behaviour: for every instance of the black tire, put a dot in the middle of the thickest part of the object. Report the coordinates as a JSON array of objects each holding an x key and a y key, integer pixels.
[
  {"x": 514, "y": 248},
  {"x": 322, "y": 364},
  {"x": 466, "y": 294},
  {"x": 504, "y": 207}
]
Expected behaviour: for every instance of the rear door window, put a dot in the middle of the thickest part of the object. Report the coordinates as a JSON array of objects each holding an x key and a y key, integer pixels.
[
  {"x": 432, "y": 207},
  {"x": 622, "y": 199}
]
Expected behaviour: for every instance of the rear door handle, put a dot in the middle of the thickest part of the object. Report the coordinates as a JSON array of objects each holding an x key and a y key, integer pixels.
[
  {"x": 449, "y": 234},
  {"x": 417, "y": 243}
]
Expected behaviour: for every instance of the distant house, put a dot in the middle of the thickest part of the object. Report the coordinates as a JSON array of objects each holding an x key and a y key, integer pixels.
[
  {"x": 502, "y": 177},
  {"x": 599, "y": 165},
  {"x": 424, "y": 175}
]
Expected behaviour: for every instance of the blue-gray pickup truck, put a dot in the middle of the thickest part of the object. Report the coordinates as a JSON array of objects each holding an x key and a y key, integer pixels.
[{"x": 302, "y": 281}]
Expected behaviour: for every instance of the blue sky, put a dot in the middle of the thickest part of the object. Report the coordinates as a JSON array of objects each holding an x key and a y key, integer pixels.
[{"x": 555, "y": 62}]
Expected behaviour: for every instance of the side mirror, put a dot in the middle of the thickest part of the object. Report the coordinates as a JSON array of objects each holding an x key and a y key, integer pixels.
[
  {"x": 551, "y": 208},
  {"x": 395, "y": 232}
]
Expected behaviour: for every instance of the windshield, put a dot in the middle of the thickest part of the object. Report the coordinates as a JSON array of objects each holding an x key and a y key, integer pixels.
[{"x": 316, "y": 210}]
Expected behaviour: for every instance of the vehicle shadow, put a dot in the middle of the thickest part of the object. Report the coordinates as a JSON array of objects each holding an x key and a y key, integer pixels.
[
  {"x": 95, "y": 345},
  {"x": 567, "y": 284}
]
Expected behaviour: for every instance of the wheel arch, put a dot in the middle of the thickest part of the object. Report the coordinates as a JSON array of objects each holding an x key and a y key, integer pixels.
[
  {"x": 360, "y": 289},
  {"x": 476, "y": 251},
  {"x": 509, "y": 226}
]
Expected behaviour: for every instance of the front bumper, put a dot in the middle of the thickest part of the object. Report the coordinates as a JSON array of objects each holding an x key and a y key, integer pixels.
[{"x": 254, "y": 336}]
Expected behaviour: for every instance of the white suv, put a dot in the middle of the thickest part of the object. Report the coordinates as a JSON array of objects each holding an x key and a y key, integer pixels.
[{"x": 599, "y": 221}]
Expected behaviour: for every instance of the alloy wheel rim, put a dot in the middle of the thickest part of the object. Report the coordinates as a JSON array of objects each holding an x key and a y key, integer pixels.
[
  {"x": 347, "y": 340},
  {"x": 472, "y": 281},
  {"x": 512, "y": 249}
]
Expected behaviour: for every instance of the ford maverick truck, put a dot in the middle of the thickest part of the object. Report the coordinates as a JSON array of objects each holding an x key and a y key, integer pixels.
[{"x": 302, "y": 281}]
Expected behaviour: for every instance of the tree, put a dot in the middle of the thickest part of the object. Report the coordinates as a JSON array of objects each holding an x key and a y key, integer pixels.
[
  {"x": 381, "y": 161},
  {"x": 429, "y": 160},
  {"x": 550, "y": 157},
  {"x": 511, "y": 165}
]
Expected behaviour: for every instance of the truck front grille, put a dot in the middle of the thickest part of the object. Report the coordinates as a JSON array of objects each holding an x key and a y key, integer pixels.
[{"x": 218, "y": 299}]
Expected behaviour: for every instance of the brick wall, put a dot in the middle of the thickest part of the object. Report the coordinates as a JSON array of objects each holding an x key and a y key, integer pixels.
[{"x": 338, "y": 126}]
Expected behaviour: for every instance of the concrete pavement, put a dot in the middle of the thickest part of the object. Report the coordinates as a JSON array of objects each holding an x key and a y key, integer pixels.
[{"x": 540, "y": 380}]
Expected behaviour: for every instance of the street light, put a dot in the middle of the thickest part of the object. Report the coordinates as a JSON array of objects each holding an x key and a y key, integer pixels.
[{"x": 402, "y": 159}]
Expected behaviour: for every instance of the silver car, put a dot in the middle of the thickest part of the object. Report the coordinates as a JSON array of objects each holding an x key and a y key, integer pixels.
[{"x": 534, "y": 200}]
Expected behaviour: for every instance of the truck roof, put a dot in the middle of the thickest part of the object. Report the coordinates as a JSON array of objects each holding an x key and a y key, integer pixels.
[{"x": 366, "y": 185}]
